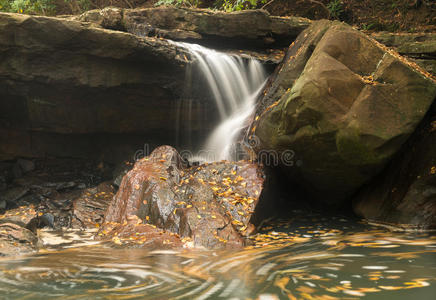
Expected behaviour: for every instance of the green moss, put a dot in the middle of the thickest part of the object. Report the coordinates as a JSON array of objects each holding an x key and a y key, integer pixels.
[{"x": 353, "y": 151}]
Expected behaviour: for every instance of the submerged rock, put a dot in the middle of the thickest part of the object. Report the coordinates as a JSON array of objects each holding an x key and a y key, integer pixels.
[
  {"x": 206, "y": 206},
  {"x": 343, "y": 105}
]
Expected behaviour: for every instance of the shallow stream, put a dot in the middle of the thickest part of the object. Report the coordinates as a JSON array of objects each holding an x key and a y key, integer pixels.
[{"x": 306, "y": 257}]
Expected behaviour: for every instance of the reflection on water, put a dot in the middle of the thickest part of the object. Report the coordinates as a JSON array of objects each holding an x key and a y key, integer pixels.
[{"x": 304, "y": 258}]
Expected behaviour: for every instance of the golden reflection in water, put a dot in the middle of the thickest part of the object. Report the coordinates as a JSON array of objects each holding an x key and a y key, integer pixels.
[{"x": 288, "y": 260}]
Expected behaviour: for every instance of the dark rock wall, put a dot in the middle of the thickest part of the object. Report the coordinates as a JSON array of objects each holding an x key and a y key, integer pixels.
[
  {"x": 66, "y": 85},
  {"x": 405, "y": 192}
]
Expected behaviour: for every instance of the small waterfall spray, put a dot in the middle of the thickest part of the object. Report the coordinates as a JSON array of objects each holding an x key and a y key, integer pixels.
[{"x": 235, "y": 84}]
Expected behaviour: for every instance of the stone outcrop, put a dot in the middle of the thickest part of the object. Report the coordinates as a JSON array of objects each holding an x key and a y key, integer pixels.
[
  {"x": 67, "y": 86},
  {"x": 241, "y": 29},
  {"x": 421, "y": 47},
  {"x": 404, "y": 194},
  {"x": 206, "y": 206},
  {"x": 344, "y": 105},
  {"x": 16, "y": 236},
  {"x": 16, "y": 240}
]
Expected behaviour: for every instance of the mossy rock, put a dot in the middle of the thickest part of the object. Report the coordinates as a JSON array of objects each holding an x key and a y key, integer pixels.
[{"x": 345, "y": 105}]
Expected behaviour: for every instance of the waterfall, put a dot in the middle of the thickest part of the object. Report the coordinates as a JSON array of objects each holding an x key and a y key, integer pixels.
[{"x": 234, "y": 83}]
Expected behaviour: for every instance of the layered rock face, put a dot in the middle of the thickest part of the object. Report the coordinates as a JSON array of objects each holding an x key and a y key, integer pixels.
[
  {"x": 344, "y": 105},
  {"x": 60, "y": 79},
  {"x": 206, "y": 206},
  {"x": 420, "y": 47},
  {"x": 241, "y": 29},
  {"x": 16, "y": 236}
]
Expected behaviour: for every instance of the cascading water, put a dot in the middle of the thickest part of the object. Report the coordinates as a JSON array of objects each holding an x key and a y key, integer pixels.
[{"x": 235, "y": 83}]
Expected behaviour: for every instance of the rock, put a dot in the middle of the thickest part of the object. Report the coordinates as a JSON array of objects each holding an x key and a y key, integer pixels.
[
  {"x": 68, "y": 85},
  {"x": 21, "y": 215},
  {"x": 25, "y": 165},
  {"x": 241, "y": 29},
  {"x": 15, "y": 237},
  {"x": 427, "y": 64},
  {"x": 341, "y": 105},
  {"x": 147, "y": 236},
  {"x": 60, "y": 206},
  {"x": 66, "y": 88},
  {"x": 120, "y": 171},
  {"x": 419, "y": 46},
  {"x": 59, "y": 186},
  {"x": 108, "y": 17},
  {"x": 209, "y": 206},
  {"x": 89, "y": 208},
  {"x": 5, "y": 175},
  {"x": 16, "y": 240},
  {"x": 12, "y": 195},
  {"x": 404, "y": 194}
]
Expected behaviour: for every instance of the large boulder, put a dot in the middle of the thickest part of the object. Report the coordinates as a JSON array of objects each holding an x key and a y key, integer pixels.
[
  {"x": 344, "y": 105},
  {"x": 404, "y": 194},
  {"x": 206, "y": 206}
]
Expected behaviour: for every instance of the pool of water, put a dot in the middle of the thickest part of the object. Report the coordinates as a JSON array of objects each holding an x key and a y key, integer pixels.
[{"x": 305, "y": 257}]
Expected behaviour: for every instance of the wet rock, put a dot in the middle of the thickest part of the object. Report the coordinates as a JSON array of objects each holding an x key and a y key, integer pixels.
[
  {"x": 15, "y": 237},
  {"x": 20, "y": 215},
  {"x": 136, "y": 235},
  {"x": 16, "y": 240},
  {"x": 120, "y": 171},
  {"x": 209, "y": 205},
  {"x": 338, "y": 109},
  {"x": 60, "y": 205},
  {"x": 90, "y": 206},
  {"x": 404, "y": 194},
  {"x": 11, "y": 196}
]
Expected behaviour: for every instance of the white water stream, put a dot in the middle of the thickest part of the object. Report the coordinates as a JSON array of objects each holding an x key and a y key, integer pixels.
[{"x": 235, "y": 84}]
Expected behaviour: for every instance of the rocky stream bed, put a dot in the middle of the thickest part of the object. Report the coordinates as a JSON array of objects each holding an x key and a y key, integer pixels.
[{"x": 346, "y": 122}]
